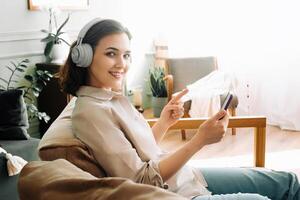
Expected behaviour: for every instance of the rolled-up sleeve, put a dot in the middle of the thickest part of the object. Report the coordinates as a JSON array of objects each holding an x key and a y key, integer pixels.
[{"x": 100, "y": 131}]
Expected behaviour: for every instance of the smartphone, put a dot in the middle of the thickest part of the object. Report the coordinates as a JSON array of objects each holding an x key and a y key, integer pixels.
[{"x": 227, "y": 101}]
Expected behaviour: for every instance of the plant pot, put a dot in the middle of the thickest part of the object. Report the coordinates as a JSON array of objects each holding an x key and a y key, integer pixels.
[
  {"x": 158, "y": 103},
  {"x": 59, "y": 53},
  {"x": 146, "y": 100},
  {"x": 147, "y": 95}
]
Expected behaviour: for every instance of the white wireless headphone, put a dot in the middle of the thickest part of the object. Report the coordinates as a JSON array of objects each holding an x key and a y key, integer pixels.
[{"x": 82, "y": 53}]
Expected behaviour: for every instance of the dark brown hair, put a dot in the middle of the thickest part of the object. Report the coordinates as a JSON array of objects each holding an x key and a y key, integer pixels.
[{"x": 72, "y": 77}]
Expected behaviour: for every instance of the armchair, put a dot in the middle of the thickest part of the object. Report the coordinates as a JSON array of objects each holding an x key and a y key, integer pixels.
[{"x": 184, "y": 71}]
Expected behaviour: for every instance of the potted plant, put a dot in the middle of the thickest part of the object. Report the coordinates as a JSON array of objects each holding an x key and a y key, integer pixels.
[
  {"x": 158, "y": 89},
  {"x": 32, "y": 84},
  {"x": 57, "y": 47}
]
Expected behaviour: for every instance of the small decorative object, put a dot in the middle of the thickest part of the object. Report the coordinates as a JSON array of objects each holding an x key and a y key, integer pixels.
[
  {"x": 137, "y": 99},
  {"x": 33, "y": 85},
  {"x": 57, "y": 45},
  {"x": 158, "y": 89},
  {"x": 14, "y": 163}
]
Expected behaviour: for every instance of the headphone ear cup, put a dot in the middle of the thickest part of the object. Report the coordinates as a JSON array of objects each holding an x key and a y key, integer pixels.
[{"x": 82, "y": 55}]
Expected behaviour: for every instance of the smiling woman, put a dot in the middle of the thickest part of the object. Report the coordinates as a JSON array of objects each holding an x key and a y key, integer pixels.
[
  {"x": 122, "y": 142},
  {"x": 62, "y": 4}
]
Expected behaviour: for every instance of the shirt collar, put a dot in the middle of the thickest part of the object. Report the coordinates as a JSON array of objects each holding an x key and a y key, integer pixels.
[{"x": 98, "y": 93}]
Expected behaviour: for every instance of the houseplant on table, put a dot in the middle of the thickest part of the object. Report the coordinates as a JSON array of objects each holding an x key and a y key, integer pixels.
[{"x": 158, "y": 89}]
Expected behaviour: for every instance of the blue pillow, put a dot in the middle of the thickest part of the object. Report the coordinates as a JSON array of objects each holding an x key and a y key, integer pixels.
[{"x": 13, "y": 115}]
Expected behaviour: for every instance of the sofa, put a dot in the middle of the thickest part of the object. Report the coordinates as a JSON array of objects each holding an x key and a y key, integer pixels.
[
  {"x": 26, "y": 149},
  {"x": 14, "y": 139}
]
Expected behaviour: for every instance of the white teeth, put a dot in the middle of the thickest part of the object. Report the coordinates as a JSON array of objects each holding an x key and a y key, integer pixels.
[{"x": 116, "y": 74}]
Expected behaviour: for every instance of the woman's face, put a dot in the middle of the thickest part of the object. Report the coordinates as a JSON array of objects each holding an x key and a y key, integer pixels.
[{"x": 110, "y": 62}]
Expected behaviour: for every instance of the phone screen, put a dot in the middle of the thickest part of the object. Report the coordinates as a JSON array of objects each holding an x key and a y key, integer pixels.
[{"x": 227, "y": 101}]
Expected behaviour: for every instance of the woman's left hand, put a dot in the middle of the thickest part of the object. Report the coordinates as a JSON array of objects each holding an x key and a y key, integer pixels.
[{"x": 173, "y": 110}]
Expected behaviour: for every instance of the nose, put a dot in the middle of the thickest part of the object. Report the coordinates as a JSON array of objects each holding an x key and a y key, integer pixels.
[{"x": 121, "y": 62}]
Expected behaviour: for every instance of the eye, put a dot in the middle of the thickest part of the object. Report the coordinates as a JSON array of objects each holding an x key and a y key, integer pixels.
[
  {"x": 110, "y": 54},
  {"x": 127, "y": 56}
]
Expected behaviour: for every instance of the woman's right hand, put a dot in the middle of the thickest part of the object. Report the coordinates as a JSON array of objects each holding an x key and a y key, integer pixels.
[
  {"x": 212, "y": 130},
  {"x": 209, "y": 132}
]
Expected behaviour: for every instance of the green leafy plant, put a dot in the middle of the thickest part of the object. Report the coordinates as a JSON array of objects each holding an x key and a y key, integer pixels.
[
  {"x": 34, "y": 85},
  {"x": 54, "y": 38},
  {"x": 157, "y": 82}
]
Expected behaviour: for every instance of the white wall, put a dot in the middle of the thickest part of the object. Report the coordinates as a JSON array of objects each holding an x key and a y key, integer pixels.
[
  {"x": 258, "y": 40},
  {"x": 20, "y": 28}
]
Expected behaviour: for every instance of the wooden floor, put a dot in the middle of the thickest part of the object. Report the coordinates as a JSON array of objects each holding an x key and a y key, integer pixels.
[{"x": 282, "y": 149}]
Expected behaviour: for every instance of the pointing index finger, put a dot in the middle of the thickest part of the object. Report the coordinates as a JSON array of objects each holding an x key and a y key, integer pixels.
[{"x": 179, "y": 95}]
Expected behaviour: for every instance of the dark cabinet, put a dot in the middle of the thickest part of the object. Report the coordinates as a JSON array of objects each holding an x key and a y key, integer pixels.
[{"x": 51, "y": 99}]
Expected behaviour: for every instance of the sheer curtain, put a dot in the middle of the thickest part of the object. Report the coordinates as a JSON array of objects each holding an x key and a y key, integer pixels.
[{"x": 258, "y": 41}]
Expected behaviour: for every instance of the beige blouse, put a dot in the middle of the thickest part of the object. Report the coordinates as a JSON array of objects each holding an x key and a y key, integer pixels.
[{"x": 123, "y": 144}]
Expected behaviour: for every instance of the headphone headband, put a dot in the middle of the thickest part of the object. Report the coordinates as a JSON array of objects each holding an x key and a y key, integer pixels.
[{"x": 86, "y": 28}]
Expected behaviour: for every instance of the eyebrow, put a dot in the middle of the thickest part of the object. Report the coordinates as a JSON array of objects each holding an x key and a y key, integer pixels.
[{"x": 115, "y": 49}]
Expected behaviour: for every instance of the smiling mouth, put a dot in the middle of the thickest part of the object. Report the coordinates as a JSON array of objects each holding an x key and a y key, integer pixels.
[{"x": 116, "y": 75}]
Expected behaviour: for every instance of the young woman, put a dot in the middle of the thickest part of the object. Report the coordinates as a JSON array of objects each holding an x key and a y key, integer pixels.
[{"x": 123, "y": 143}]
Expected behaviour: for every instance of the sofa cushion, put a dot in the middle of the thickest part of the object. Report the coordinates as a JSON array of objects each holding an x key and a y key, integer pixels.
[
  {"x": 77, "y": 154},
  {"x": 60, "y": 142},
  {"x": 13, "y": 118},
  {"x": 60, "y": 179}
]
